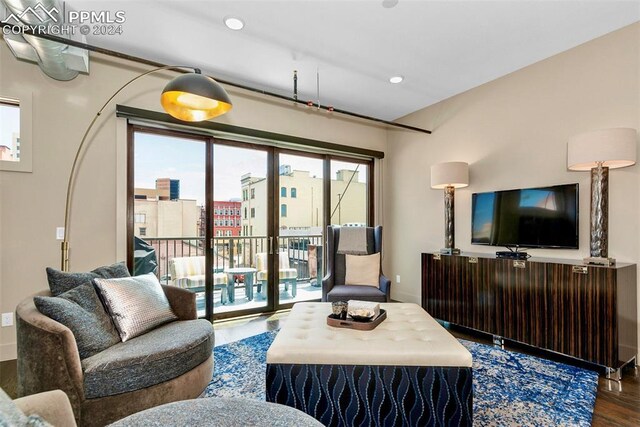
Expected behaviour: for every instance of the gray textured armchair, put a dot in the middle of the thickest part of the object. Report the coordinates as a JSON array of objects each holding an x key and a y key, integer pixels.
[
  {"x": 169, "y": 363},
  {"x": 333, "y": 284}
]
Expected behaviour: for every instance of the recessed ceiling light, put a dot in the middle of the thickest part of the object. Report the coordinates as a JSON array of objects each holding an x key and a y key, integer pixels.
[
  {"x": 233, "y": 23},
  {"x": 396, "y": 79},
  {"x": 388, "y": 4}
]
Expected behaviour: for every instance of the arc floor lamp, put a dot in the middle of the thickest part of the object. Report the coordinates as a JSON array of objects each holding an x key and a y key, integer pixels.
[{"x": 190, "y": 97}]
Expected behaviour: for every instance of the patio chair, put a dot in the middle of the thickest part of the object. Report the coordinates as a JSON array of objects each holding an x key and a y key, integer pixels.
[
  {"x": 188, "y": 273},
  {"x": 286, "y": 275},
  {"x": 333, "y": 284}
]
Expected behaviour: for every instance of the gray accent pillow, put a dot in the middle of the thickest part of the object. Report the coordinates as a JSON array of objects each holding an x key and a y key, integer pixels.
[
  {"x": 12, "y": 416},
  {"x": 136, "y": 304},
  {"x": 81, "y": 311},
  {"x": 62, "y": 281}
]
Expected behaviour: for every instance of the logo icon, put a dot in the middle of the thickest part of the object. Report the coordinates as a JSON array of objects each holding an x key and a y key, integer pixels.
[{"x": 40, "y": 12}]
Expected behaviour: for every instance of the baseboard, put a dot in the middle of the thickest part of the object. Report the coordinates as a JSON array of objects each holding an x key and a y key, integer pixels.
[
  {"x": 405, "y": 297},
  {"x": 8, "y": 351}
]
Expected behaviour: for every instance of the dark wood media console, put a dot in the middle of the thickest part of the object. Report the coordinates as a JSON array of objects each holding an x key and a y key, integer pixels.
[{"x": 587, "y": 312}]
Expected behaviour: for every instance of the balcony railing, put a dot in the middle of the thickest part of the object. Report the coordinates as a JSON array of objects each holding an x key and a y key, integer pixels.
[{"x": 229, "y": 252}]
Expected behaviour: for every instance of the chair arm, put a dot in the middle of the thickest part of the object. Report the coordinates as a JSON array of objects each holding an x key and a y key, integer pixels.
[
  {"x": 48, "y": 357},
  {"x": 327, "y": 285},
  {"x": 182, "y": 301},
  {"x": 385, "y": 286},
  {"x": 53, "y": 406}
]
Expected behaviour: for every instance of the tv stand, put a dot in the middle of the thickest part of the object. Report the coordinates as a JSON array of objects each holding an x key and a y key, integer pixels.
[{"x": 588, "y": 312}]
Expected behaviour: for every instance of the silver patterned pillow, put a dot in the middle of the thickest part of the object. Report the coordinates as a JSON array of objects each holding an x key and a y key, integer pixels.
[{"x": 136, "y": 304}]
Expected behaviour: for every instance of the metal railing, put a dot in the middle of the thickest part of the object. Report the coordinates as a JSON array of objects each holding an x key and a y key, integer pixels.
[{"x": 229, "y": 252}]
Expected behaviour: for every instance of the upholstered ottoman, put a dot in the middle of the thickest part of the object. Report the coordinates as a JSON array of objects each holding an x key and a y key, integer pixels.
[
  {"x": 219, "y": 412},
  {"x": 408, "y": 371}
]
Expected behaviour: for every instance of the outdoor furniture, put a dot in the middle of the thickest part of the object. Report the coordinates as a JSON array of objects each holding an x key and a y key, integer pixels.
[
  {"x": 188, "y": 273},
  {"x": 248, "y": 273},
  {"x": 286, "y": 275},
  {"x": 409, "y": 365},
  {"x": 333, "y": 284},
  {"x": 171, "y": 362}
]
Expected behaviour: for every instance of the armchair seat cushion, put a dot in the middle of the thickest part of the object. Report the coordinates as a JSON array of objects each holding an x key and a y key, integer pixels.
[
  {"x": 155, "y": 357},
  {"x": 285, "y": 273},
  {"x": 347, "y": 292}
]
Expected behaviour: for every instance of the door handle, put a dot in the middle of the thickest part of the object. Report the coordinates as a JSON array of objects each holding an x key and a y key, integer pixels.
[{"x": 271, "y": 245}]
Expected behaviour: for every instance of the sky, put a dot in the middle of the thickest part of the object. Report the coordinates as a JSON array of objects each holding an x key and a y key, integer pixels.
[
  {"x": 9, "y": 124},
  {"x": 159, "y": 156}
]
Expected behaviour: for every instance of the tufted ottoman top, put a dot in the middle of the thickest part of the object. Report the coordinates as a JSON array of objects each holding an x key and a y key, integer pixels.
[{"x": 408, "y": 337}]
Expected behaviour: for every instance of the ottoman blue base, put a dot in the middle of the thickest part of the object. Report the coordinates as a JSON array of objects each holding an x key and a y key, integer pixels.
[{"x": 347, "y": 395}]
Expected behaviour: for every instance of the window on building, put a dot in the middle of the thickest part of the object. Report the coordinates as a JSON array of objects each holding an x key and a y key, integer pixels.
[
  {"x": 245, "y": 213},
  {"x": 253, "y": 193},
  {"x": 10, "y": 135},
  {"x": 283, "y": 191},
  {"x": 218, "y": 233},
  {"x": 253, "y": 212},
  {"x": 294, "y": 192},
  {"x": 228, "y": 233},
  {"x": 140, "y": 218},
  {"x": 283, "y": 211},
  {"x": 143, "y": 231}
]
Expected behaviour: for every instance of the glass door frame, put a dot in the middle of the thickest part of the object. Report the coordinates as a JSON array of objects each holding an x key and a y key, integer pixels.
[{"x": 273, "y": 195}]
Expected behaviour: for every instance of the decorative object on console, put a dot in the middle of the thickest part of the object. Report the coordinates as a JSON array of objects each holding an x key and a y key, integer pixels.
[
  {"x": 599, "y": 151},
  {"x": 449, "y": 176},
  {"x": 191, "y": 97}
]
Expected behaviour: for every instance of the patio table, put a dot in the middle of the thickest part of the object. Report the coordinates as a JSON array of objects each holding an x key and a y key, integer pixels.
[{"x": 248, "y": 281}]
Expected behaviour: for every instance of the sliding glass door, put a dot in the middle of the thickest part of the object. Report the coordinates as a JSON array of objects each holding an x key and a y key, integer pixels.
[{"x": 241, "y": 225}]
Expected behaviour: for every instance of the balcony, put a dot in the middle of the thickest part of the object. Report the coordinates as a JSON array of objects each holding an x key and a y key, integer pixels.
[{"x": 242, "y": 252}]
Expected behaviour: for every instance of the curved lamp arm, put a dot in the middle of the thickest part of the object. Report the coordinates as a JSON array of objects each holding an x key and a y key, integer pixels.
[{"x": 72, "y": 174}]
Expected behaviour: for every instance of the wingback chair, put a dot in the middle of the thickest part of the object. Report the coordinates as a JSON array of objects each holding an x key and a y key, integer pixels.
[{"x": 333, "y": 284}]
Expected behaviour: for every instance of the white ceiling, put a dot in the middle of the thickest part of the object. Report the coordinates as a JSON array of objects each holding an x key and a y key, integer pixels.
[{"x": 442, "y": 48}]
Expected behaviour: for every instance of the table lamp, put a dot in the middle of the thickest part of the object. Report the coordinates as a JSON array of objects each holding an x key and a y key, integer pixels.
[
  {"x": 599, "y": 151},
  {"x": 449, "y": 176}
]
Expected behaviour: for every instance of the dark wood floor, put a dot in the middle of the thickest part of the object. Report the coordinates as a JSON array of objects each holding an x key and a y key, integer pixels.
[{"x": 617, "y": 404}]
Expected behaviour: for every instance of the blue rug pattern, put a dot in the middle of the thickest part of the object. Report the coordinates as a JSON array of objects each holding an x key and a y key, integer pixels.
[{"x": 509, "y": 388}]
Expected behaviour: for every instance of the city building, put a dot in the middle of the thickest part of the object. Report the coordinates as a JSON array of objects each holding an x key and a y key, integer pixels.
[
  {"x": 301, "y": 202},
  {"x": 226, "y": 218}
]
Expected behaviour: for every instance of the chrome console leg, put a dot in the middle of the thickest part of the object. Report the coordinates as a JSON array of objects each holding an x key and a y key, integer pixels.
[{"x": 498, "y": 341}]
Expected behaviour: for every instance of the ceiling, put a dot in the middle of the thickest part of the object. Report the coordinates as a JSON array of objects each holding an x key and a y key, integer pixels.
[{"x": 442, "y": 48}]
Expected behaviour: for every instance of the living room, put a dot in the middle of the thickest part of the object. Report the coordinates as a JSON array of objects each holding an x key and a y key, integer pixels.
[{"x": 511, "y": 127}]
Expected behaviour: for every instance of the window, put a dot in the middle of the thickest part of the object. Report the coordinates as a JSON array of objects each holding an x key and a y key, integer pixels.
[
  {"x": 15, "y": 134},
  {"x": 228, "y": 233},
  {"x": 253, "y": 212},
  {"x": 244, "y": 195},
  {"x": 294, "y": 193},
  {"x": 143, "y": 231},
  {"x": 238, "y": 212},
  {"x": 283, "y": 211},
  {"x": 245, "y": 213},
  {"x": 140, "y": 218},
  {"x": 253, "y": 193},
  {"x": 218, "y": 233},
  {"x": 283, "y": 191}
]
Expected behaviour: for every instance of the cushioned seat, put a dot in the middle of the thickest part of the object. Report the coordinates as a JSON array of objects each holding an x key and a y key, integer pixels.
[
  {"x": 152, "y": 358},
  {"x": 188, "y": 273},
  {"x": 286, "y": 274},
  {"x": 347, "y": 292}
]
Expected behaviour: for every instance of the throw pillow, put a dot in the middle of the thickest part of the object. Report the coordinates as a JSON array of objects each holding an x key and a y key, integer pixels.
[
  {"x": 62, "y": 281},
  {"x": 12, "y": 416},
  {"x": 362, "y": 270},
  {"x": 81, "y": 311},
  {"x": 136, "y": 304}
]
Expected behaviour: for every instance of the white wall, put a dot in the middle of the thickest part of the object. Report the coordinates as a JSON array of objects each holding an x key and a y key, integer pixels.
[
  {"x": 32, "y": 204},
  {"x": 513, "y": 132}
]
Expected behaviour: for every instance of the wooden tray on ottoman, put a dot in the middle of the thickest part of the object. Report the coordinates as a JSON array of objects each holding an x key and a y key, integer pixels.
[{"x": 354, "y": 324}]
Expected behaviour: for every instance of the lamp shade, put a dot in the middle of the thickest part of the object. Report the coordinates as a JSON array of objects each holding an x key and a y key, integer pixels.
[
  {"x": 194, "y": 98},
  {"x": 450, "y": 174},
  {"x": 615, "y": 148}
]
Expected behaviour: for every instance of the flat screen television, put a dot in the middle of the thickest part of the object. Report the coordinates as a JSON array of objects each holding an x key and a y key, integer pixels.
[{"x": 544, "y": 217}]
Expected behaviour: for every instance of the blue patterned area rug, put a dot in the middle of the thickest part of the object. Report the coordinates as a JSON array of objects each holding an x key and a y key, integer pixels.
[{"x": 508, "y": 388}]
